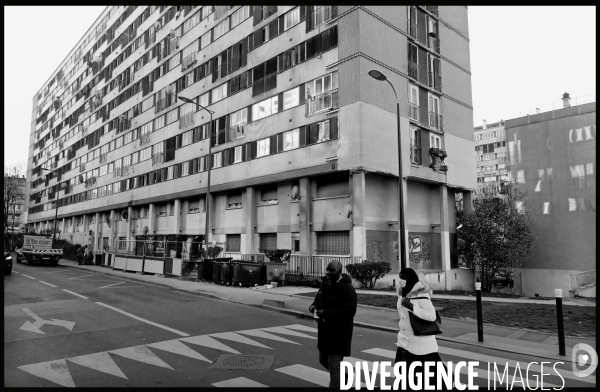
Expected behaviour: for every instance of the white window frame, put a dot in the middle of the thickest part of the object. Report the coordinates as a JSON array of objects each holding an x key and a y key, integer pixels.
[
  {"x": 291, "y": 139},
  {"x": 263, "y": 147},
  {"x": 291, "y": 19},
  {"x": 291, "y": 98},
  {"x": 218, "y": 159},
  {"x": 237, "y": 154},
  {"x": 435, "y": 141}
]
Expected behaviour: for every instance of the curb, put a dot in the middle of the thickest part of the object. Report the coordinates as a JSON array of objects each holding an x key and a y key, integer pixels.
[{"x": 274, "y": 305}]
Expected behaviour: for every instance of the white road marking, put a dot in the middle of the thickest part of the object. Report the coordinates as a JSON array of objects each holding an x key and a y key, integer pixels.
[
  {"x": 301, "y": 327},
  {"x": 55, "y": 371},
  {"x": 285, "y": 331},
  {"x": 175, "y": 346},
  {"x": 27, "y": 276},
  {"x": 99, "y": 361},
  {"x": 83, "y": 276},
  {"x": 79, "y": 295},
  {"x": 262, "y": 334},
  {"x": 141, "y": 354},
  {"x": 306, "y": 373},
  {"x": 464, "y": 370},
  {"x": 16, "y": 272},
  {"x": 41, "y": 281},
  {"x": 114, "y": 284},
  {"x": 35, "y": 327},
  {"x": 144, "y": 320},
  {"x": 239, "y": 382},
  {"x": 236, "y": 337},
  {"x": 207, "y": 341}
]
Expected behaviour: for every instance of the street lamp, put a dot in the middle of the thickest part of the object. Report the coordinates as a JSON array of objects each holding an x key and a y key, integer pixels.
[
  {"x": 208, "y": 163},
  {"x": 56, "y": 210},
  {"x": 380, "y": 76}
]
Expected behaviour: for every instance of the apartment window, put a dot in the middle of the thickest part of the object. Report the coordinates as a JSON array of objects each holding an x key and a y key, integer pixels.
[
  {"x": 185, "y": 169},
  {"x": 234, "y": 242},
  {"x": 186, "y": 138},
  {"x": 240, "y": 15},
  {"x": 332, "y": 185},
  {"x": 321, "y": 93},
  {"x": 435, "y": 141},
  {"x": 207, "y": 10},
  {"x": 194, "y": 206},
  {"x": 205, "y": 40},
  {"x": 333, "y": 243},
  {"x": 435, "y": 119},
  {"x": 291, "y": 98},
  {"x": 292, "y": 18},
  {"x": 220, "y": 29},
  {"x": 413, "y": 61},
  {"x": 264, "y": 108},
  {"x": 413, "y": 102},
  {"x": 237, "y": 154},
  {"x": 234, "y": 200},
  {"x": 217, "y": 160},
  {"x": 416, "y": 155},
  {"x": 135, "y": 157},
  {"x": 263, "y": 147},
  {"x": 476, "y": 137},
  {"x": 268, "y": 195},
  {"x": 172, "y": 116},
  {"x": 159, "y": 122},
  {"x": 291, "y": 140},
  {"x": 267, "y": 241},
  {"x": 201, "y": 164},
  {"x": 219, "y": 93},
  {"x": 295, "y": 242},
  {"x": 144, "y": 212},
  {"x": 162, "y": 210},
  {"x": 204, "y": 98}
]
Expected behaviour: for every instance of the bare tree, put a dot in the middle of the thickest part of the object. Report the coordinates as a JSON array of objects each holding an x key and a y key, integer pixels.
[{"x": 14, "y": 191}]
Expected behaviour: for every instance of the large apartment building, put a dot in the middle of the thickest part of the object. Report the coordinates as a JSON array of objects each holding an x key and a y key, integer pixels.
[
  {"x": 492, "y": 159},
  {"x": 16, "y": 214},
  {"x": 552, "y": 155},
  {"x": 303, "y": 142}
]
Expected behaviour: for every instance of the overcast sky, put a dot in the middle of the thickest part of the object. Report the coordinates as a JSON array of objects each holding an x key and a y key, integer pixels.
[{"x": 521, "y": 57}]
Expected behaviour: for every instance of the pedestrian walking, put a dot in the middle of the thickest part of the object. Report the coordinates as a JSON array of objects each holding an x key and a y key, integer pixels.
[
  {"x": 335, "y": 307},
  {"x": 81, "y": 254},
  {"x": 414, "y": 297}
]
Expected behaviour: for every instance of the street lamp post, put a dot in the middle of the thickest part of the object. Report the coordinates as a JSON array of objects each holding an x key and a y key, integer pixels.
[
  {"x": 55, "y": 213},
  {"x": 380, "y": 76},
  {"x": 208, "y": 163}
]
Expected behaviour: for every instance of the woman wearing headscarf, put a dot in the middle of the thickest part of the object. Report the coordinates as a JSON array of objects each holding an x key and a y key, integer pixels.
[{"x": 413, "y": 348}]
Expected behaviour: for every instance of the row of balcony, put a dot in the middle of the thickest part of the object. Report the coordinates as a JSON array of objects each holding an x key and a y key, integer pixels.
[
  {"x": 434, "y": 80},
  {"x": 435, "y": 119}
]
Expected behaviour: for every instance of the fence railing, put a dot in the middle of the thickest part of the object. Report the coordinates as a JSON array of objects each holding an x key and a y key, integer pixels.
[
  {"x": 188, "y": 61},
  {"x": 435, "y": 81},
  {"x": 416, "y": 155},
  {"x": 327, "y": 100},
  {"x": 266, "y": 83},
  {"x": 158, "y": 158},
  {"x": 236, "y": 131},
  {"x": 313, "y": 267},
  {"x": 120, "y": 171},
  {"x": 103, "y": 157},
  {"x": 583, "y": 284},
  {"x": 320, "y": 15},
  {"x": 433, "y": 44},
  {"x": 82, "y": 167},
  {"x": 186, "y": 120}
]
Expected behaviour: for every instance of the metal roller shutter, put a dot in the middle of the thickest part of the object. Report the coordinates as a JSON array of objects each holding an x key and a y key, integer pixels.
[{"x": 333, "y": 185}]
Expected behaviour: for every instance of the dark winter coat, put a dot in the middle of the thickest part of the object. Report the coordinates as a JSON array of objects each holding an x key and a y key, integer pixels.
[{"x": 338, "y": 303}]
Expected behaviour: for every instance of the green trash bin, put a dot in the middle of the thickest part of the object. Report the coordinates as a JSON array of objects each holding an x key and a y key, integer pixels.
[
  {"x": 216, "y": 272},
  {"x": 246, "y": 274}
]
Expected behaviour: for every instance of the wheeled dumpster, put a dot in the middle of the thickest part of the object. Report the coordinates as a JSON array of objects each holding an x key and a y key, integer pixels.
[
  {"x": 226, "y": 271},
  {"x": 216, "y": 272},
  {"x": 274, "y": 272},
  {"x": 207, "y": 270},
  {"x": 245, "y": 274}
]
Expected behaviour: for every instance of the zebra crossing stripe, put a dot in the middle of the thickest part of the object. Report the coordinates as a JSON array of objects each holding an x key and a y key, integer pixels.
[
  {"x": 284, "y": 331},
  {"x": 175, "y": 346},
  {"x": 238, "y": 338},
  {"x": 239, "y": 382},
  {"x": 464, "y": 370},
  {"x": 301, "y": 327},
  {"x": 262, "y": 334},
  {"x": 306, "y": 373},
  {"x": 54, "y": 371},
  {"x": 99, "y": 361},
  {"x": 207, "y": 341},
  {"x": 141, "y": 354}
]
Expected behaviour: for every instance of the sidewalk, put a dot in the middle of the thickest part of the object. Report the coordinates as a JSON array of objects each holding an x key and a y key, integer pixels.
[{"x": 286, "y": 299}]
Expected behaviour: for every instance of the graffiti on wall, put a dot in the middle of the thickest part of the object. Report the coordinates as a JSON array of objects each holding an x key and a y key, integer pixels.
[
  {"x": 418, "y": 250},
  {"x": 374, "y": 249}
]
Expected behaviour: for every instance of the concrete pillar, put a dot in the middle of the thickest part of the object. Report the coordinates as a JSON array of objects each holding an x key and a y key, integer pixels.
[
  {"x": 152, "y": 227},
  {"x": 305, "y": 220},
  {"x": 359, "y": 204},
  {"x": 129, "y": 223},
  {"x": 112, "y": 229},
  {"x": 250, "y": 247},
  {"x": 177, "y": 216},
  {"x": 467, "y": 202},
  {"x": 445, "y": 234},
  {"x": 62, "y": 228},
  {"x": 97, "y": 230}
]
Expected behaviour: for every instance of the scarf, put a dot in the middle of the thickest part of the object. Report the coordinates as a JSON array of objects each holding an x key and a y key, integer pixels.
[{"x": 411, "y": 279}]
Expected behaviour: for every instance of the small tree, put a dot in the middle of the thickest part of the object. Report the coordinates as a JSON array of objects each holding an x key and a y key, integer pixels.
[
  {"x": 278, "y": 255},
  {"x": 14, "y": 191},
  {"x": 496, "y": 237},
  {"x": 368, "y": 272}
]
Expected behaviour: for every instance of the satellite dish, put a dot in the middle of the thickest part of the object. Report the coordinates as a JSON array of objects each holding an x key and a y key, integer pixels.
[
  {"x": 145, "y": 230},
  {"x": 125, "y": 215},
  {"x": 169, "y": 89},
  {"x": 295, "y": 191},
  {"x": 157, "y": 25},
  {"x": 348, "y": 209}
]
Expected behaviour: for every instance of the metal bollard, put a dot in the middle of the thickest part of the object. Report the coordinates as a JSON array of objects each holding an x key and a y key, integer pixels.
[
  {"x": 560, "y": 322},
  {"x": 479, "y": 315}
]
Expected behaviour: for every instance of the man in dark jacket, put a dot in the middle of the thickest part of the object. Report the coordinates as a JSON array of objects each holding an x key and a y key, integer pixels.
[{"x": 335, "y": 306}]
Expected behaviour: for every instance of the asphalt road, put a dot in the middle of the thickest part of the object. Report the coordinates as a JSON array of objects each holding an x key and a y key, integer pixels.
[{"x": 127, "y": 333}]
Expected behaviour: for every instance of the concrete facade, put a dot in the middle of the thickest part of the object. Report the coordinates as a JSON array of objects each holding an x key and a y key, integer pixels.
[
  {"x": 553, "y": 156},
  {"x": 354, "y": 168}
]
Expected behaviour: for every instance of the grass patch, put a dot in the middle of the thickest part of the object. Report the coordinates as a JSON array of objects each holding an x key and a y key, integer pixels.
[{"x": 578, "y": 320}]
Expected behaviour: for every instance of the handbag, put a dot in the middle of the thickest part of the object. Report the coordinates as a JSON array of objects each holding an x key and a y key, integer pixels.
[{"x": 424, "y": 327}]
